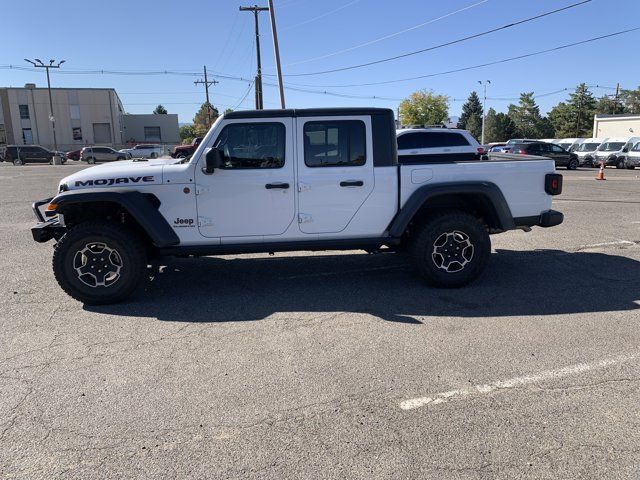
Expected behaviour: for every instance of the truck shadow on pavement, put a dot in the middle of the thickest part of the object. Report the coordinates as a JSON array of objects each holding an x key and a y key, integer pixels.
[{"x": 541, "y": 282}]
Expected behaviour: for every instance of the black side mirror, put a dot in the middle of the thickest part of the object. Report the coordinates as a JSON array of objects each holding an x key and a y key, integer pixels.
[
  {"x": 625, "y": 149},
  {"x": 213, "y": 160}
]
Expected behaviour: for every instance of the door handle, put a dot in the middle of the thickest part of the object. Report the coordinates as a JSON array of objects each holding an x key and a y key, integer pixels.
[
  {"x": 270, "y": 186},
  {"x": 352, "y": 183}
]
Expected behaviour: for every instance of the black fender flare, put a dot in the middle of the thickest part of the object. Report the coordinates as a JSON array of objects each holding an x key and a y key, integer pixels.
[
  {"x": 139, "y": 205},
  {"x": 500, "y": 208}
]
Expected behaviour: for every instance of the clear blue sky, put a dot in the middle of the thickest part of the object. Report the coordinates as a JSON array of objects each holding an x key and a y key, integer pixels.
[{"x": 183, "y": 36}]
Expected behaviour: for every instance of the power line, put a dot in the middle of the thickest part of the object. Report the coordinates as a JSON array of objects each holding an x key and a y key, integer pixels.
[
  {"x": 391, "y": 35},
  {"x": 326, "y": 14},
  {"x": 446, "y": 44},
  {"x": 464, "y": 69}
]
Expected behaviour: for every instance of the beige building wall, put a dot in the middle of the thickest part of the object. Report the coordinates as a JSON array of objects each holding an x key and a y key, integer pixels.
[
  {"x": 616, "y": 126},
  {"x": 82, "y": 117}
]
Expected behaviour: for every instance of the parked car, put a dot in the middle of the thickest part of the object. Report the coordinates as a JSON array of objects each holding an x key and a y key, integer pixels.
[
  {"x": 102, "y": 154},
  {"x": 586, "y": 151},
  {"x": 495, "y": 147},
  {"x": 508, "y": 148},
  {"x": 144, "y": 151},
  {"x": 21, "y": 154},
  {"x": 569, "y": 144},
  {"x": 437, "y": 145},
  {"x": 183, "y": 151},
  {"x": 632, "y": 159},
  {"x": 612, "y": 151},
  {"x": 562, "y": 157},
  {"x": 73, "y": 154}
]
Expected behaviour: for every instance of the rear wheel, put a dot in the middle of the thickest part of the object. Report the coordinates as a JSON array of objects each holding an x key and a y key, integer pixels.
[
  {"x": 181, "y": 155},
  {"x": 450, "y": 249},
  {"x": 18, "y": 161},
  {"x": 154, "y": 155},
  {"x": 99, "y": 262},
  {"x": 91, "y": 160},
  {"x": 621, "y": 163}
]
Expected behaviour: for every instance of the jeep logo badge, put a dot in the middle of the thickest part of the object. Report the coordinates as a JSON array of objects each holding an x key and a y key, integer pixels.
[{"x": 183, "y": 222}]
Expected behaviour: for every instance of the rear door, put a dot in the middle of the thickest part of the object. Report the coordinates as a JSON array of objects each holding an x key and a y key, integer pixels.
[{"x": 335, "y": 171}]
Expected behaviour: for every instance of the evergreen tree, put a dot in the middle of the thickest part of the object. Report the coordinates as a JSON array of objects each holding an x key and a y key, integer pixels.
[
  {"x": 527, "y": 118},
  {"x": 160, "y": 110},
  {"x": 498, "y": 127},
  {"x": 607, "y": 105},
  {"x": 575, "y": 117},
  {"x": 631, "y": 99},
  {"x": 424, "y": 108},
  {"x": 201, "y": 123},
  {"x": 472, "y": 109}
]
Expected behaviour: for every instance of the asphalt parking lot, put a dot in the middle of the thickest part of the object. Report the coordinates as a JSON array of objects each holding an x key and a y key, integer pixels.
[{"x": 332, "y": 365}]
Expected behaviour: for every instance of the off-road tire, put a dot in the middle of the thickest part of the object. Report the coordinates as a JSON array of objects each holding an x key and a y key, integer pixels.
[
  {"x": 460, "y": 227},
  {"x": 130, "y": 255}
]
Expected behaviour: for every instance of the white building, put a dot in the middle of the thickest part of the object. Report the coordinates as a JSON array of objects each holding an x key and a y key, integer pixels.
[
  {"x": 621, "y": 125},
  {"x": 83, "y": 116}
]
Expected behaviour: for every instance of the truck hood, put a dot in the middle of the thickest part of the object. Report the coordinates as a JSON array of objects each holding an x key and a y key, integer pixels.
[{"x": 125, "y": 173}]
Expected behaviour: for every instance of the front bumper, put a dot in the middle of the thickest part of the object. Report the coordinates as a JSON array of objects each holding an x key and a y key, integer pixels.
[
  {"x": 550, "y": 218},
  {"x": 45, "y": 230}
]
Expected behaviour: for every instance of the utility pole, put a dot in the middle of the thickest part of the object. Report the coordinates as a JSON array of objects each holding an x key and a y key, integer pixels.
[
  {"x": 617, "y": 97},
  {"x": 258, "y": 83},
  {"x": 207, "y": 84},
  {"x": 579, "y": 112},
  {"x": 484, "y": 106},
  {"x": 39, "y": 64},
  {"x": 277, "y": 51}
]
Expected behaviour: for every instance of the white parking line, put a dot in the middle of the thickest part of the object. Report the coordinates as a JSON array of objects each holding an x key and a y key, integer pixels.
[
  {"x": 443, "y": 397},
  {"x": 605, "y": 244}
]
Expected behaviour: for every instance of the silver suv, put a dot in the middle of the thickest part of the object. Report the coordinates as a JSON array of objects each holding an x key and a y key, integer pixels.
[{"x": 102, "y": 154}]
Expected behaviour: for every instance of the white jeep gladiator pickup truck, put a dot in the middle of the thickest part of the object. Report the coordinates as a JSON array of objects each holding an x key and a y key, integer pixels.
[{"x": 285, "y": 180}]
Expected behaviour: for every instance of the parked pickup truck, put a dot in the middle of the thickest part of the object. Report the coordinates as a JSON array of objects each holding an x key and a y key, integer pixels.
[
  {"x": 284, "y": 180},
  {"x": 183, "y": 151}
]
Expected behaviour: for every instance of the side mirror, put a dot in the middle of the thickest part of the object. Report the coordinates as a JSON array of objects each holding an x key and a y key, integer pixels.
[
  {"x": 625, "y": 149},
  {"x": 213, "y": 160}
]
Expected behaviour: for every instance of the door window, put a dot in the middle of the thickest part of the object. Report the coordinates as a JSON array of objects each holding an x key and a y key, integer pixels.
[
  {"x": 431, "y": 140},
  {"x": 338, "y": 143},
  {"x": 252, "y": 145}
]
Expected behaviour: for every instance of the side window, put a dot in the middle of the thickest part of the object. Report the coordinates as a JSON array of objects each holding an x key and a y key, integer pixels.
[
  {"x": 455, "y": 139},
  {"x": 339, "y": 143},
  {"x": 439, "y": 140},
  {"x": 252, "y": 145},
  {"x": 408, "y": 141},
  {"x": 557, "y": 149}
]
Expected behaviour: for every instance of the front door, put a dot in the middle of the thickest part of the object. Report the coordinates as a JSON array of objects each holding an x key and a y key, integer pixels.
[
  {"x": 252, "y": 193},
  {"x": 335, "y": 171}
]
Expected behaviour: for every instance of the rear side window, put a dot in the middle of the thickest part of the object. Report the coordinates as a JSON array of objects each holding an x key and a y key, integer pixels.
[
  {"x": 431, "y": 140},
  {"x": 339, "y": 143}
]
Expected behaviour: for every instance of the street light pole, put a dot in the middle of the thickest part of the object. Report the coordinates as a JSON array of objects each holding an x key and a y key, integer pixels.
[
  {"x": 39, "y": 64},
  {"x": 484, "y": 106}
]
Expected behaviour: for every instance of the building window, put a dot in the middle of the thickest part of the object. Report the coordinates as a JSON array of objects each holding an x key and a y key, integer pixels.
[
  {"x": 27, "y": 136},
  {"x": 24, "y": 112},
  {"x": 74, "y": 112},
  {"x": 339, "y": 143},
  {"x": 152, "y": 134}
]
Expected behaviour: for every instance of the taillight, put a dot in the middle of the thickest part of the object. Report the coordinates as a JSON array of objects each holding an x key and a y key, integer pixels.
[{"x": 553, "y": 183}]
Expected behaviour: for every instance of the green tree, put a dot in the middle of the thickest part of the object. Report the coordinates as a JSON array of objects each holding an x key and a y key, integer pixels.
[
  {"x": 575, "y": 117},
  {"x": 608, "y": 105},
  {"x": 471, "y": 117},
  {"x": 228, "y": 110},
  {"x": 186, "y": 133},
  {"x": 498, "y": 127},
  {"x": 424, "y": 108},
  {"x": 527, "y": 118},
  {"x": 204, "y": 118},
  {"x": 160, "y": 110},
  {"x": 631, "y": 99}
]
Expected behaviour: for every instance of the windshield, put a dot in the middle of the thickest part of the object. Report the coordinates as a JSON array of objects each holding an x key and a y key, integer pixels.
[
  {"x": 636, "y": 147},
  {"x": 588, "y": 147},
  {"x": 565, "y": 145},
  {"x": 611, "y": 146}
]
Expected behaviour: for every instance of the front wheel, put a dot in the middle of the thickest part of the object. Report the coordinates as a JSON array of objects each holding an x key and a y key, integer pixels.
[
  {"x": 99, "y": 262},
  {"x": 450, "y": 249},
  {"x": 18, "y": 161},
  {"x": 573, "y": 164},
  {"x": 91, "y": 160},
  {"x": 154, "y": 155},
  {"x": 621, "y": 164}
]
